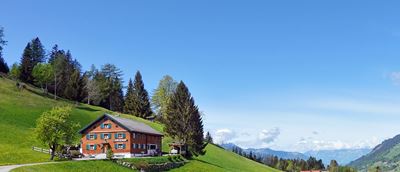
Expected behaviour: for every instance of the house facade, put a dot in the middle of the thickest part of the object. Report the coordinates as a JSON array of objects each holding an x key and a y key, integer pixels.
[{"x": 125, "y": 137}]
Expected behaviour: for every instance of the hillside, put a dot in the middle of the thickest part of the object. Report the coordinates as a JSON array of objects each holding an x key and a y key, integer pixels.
[
  {"x": 342, "y": 156},
  {"x": 19, "y": 110},
  {"x": 386, "y": 155}
]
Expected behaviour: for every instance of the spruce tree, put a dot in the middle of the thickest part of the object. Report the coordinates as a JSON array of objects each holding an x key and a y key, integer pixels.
[
  {"x": 183, "y": 121},
  {"x": 116, "y": 96},
  {"x": 141, "y": 103},
  {"x": 3, "y": 65},
  {"x": 33, "y": 54},
  {"x": 208, "y": 138},
  {"x": 26, "y": 65},
  {"x": 129, "y": 99}
]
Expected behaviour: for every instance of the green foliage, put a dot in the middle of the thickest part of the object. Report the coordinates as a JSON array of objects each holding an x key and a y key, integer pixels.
[
  {"x": 184, "y": 122},
  {"x": 162, "y": 95},
  {"x": 109, "y": 153},
  {"x": 15, "y": 71},
  {"x": 55, "y": 128},
  {"x": 208, "y": 138},
  {"x": 3, "y": 65},
  {"x": 33, "y": 54},
  {"x": 137, "y": 98},
  {"x": 43, "y": 74}
]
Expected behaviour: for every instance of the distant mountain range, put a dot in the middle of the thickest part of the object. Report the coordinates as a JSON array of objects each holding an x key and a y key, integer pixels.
[
  {"x": 386, "y": 155},
  {"x": 342, "y": 156}
]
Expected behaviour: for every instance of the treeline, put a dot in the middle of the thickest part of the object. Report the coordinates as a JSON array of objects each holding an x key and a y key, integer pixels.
[
  {"x": 59, "y": 73},
  {"x": 292, "y": 165}
]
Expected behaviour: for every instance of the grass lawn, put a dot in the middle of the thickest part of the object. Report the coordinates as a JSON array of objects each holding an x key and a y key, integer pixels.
[
  {"x": 75, "y": 166},
  {"x": 217, "y": 159},
  {"x": 20, "y": 109}
]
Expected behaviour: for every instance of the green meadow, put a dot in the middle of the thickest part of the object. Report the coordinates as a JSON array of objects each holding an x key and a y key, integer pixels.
[{"x": 19, "y": 110}]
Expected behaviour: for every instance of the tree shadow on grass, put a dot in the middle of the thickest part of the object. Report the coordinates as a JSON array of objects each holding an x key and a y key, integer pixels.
[
  {"x": 87, "y": 108},
  {"x": 209, "y": 163}
]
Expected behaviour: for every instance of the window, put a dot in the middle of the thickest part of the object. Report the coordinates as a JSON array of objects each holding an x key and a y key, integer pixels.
[
  {"x": 119, "y": 146},
  {"x": 134, "y": 145},
  {"x": 106, "y": 125},
  {"x": 91, "y": 137},
  {"x": 119, "y": 135},
  {"x": 91, "y": 147},
  {"x": 142, "y": 146},
  {"x": 106, "y": 136},
  {"x": 153, "y": 147},
  {"x": 134, "y": 135}
]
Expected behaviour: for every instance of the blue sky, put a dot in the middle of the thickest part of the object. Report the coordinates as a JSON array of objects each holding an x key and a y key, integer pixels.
[{"x": 288, "y": 75}]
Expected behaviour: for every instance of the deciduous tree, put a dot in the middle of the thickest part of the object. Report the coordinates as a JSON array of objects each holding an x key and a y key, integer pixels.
[{"x": 55, "y": 128}]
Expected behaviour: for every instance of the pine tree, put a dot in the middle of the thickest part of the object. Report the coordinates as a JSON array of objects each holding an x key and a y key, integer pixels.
[
  {"x": 129, "y": 99},
  {"x": 116, "y": 96},
  {"x": 26, "y": 65},
  {"x": 184, "y": 122},
  {"x": 3, "y": 65},
  {"x": 208, "y": 138},
  {"x": 141, "y": 103},
  {"x": 33, "y": 54}
]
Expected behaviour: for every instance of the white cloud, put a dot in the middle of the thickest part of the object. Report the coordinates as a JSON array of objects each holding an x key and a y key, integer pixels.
[
  {"x": 224, "y": 135},
  {"x": 312, "y": 144},
  {"x": 395, "y": 77},
  {"x": 269, "y": 136}
]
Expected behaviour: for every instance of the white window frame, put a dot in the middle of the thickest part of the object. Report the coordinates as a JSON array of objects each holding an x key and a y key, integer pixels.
[
  {"x": 120, "y": 135},
  {"x": 106, "y": 136},
  {"x": 120, "y": 146},
  {"x": 91, "y": 147},
  {"x": 91, "y": 136},
  {"x": 105, "y": 125}
]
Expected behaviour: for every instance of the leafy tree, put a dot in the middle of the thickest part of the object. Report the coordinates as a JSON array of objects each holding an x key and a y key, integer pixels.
[
  {"x": 208, "y": 138},
  {"x": 162, "y": 95},
  {"x": 183, "y": 121},
  {"x": 109, "y": 153},
  {"x": 55, "y": 128},
  {"x": 92, "y": 87},
  {"x": 3, "y": 65},
  {"x": 43, "y": 74},
  {"x": 141, "y": 104},
  {"x": 15, "y": 71}
]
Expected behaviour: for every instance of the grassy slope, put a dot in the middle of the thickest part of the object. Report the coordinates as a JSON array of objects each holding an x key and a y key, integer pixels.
[
  {"x": 217, "y": 159},
  {"x": 98, "y": 166},
  {"x": 20, "y": 109}
]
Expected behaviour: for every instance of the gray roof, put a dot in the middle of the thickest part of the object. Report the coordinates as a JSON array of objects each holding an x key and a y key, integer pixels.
[{"x": 129, "y": 124}]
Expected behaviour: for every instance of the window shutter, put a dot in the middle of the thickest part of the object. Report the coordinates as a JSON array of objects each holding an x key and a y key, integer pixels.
[
  {"x": 123, "y": 146},
  {"x": 109, "y": 126},
  {"x": 123, "y": 135},
  {"x": 87, "y": 147},
  {"x": 116, "y": 146},
  {"x": 95, "y": 147},
  {"x": 87, "y": 136},
  {"x": 101, "y": 126},
  {"x": 102, "y": 136},
  {"x": 116, "y": 135},
  {"x": 95, "y": 136}
]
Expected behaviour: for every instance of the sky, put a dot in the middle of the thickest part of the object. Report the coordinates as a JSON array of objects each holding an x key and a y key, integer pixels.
[{"x": 286, "y": 75}]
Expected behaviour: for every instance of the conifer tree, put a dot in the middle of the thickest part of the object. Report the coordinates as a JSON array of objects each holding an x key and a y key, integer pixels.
[
  {"x": 116, "y": 96},
  {"x": 141, "y": 103},
  {"x": 208, "y": 138},
  {"x": 183, "y": 122},
  {"x": 26, "y": 65},
  {"x": 129, "y": 99},
  {"x": 3, "y": 65},
  {"x": 33, "y": 54}
]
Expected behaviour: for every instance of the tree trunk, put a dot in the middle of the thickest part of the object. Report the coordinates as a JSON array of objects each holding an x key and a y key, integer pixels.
[
  {"x": 55, "y": 86},
  {"x": 53, "y": 152}
]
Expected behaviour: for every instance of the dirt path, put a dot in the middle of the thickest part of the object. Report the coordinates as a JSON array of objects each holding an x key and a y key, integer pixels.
[{"x": 7, "y": 168}]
